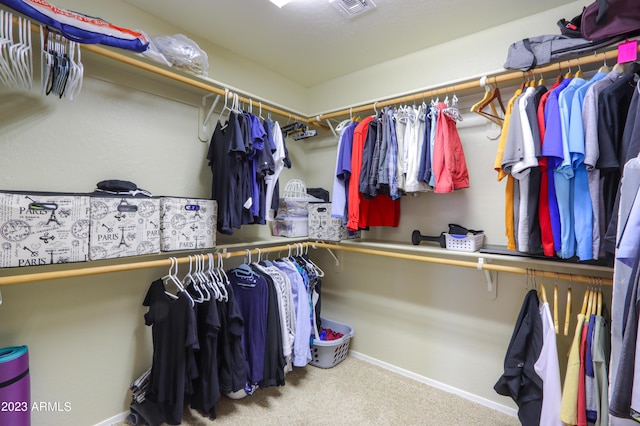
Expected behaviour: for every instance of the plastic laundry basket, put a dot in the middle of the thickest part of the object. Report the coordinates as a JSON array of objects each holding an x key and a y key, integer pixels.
[
  {"x": 328, "y": 353},
  {"x": 15, "y": 389}
]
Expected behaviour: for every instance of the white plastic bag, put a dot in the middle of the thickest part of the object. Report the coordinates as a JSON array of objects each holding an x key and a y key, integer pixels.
[{"x": 182, "y": 52}]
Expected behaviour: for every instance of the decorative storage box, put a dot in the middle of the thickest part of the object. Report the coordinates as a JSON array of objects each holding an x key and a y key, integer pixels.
[
  {"x": 187, "y": 223},
  {"x": 324, "y": 227},
  {"x": 124, "y": 226},
  {"x": 43, "y": 228},
  {"x": 328, "y": 353}
]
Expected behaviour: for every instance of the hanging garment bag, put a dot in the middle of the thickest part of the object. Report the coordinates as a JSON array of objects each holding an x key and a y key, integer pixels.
[{"x": 15, "y": 389}]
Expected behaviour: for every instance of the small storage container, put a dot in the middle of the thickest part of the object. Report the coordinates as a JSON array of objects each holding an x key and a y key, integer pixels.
[
  {"x": 326, "y": 228},
  {"x": 290, "y": 227},
  {"x": 464, "y": 242},
  {"x": 328, "y": 353}
]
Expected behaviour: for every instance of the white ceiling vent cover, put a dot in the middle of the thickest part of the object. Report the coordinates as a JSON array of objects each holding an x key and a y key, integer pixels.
[{"x": 352, "y": 8}]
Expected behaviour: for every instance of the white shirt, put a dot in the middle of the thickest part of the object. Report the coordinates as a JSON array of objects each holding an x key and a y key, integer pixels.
[{"x": 548, "y": 368}]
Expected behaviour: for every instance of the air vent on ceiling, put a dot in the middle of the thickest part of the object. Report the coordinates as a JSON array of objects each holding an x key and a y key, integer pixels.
[{"x": 352, "y": 8}]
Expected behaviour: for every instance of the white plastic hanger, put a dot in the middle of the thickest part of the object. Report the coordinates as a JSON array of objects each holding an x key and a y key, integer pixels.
[
  {"x": 201, "y": 279},
  {"x": 224, "y": 279},
  {"x": 6, "y": 41},
  {"x": 171, "y": 278},
  {"x": 188, "y": 280},
  {"x": 212, "y": 278}
]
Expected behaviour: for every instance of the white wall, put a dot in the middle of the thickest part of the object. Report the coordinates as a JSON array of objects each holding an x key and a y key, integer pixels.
[
  {"x": 86, "y": 336},
  {"x": 476, "y": 55}
]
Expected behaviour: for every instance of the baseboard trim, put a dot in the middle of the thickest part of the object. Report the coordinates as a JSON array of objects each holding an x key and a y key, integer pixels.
[
  {"x": 118, "y": 418},
  {"x": 438, "y": 385}
]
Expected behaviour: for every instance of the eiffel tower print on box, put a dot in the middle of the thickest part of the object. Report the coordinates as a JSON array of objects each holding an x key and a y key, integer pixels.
[
  {"x": 43, "y": 228},
  {"x": 124, "y": 226}
]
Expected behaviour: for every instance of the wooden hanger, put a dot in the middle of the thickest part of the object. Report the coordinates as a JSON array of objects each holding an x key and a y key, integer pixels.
[
  {"x": 579, "y": 73},
  {"x": 556, "y": 324},
  {"x": 585, "y": 302},
  {"x": 567, "y": 316},
  {"x": 569, "y": 74},
  {"x": 604, "y": 68},
  {"x": 487, "y": 94},
  {"x": 495, "y": 116},
  {"x": 591, "y": 305},
  {"x": 542, "y": 292},
  {"x": 599, "y": 304}
]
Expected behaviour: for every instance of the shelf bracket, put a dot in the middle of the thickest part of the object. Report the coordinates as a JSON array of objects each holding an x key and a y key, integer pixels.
[
  {"x": 330, "y": 127},
  {"x": 203, "y": 126},
  {"x": 491, "y": 285}
]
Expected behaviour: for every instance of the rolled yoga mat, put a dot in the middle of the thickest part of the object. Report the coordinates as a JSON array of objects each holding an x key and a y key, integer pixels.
[{"x": 15, "y": 389}]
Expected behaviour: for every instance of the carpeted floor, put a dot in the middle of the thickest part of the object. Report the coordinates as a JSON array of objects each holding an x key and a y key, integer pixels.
[{"x": 353, "y": 392}]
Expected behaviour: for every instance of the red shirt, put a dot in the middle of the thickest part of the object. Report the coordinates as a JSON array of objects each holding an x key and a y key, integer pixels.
[
  {"x": 354, "y": 196},
  {"x": 544, "y": 215}
]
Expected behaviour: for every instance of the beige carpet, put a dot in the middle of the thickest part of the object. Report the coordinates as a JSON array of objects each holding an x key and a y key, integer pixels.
[{"x": 353, "y": 392}]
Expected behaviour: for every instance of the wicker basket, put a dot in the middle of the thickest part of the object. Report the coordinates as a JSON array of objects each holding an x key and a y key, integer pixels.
[{"x": 328, "y": 353}]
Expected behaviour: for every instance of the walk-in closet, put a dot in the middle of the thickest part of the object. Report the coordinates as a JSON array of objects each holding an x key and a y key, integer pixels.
[{"x": 429, "y": 323}]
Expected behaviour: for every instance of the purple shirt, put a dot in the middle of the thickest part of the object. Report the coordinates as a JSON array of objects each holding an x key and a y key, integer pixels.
[{"x": 552, "y": 149}]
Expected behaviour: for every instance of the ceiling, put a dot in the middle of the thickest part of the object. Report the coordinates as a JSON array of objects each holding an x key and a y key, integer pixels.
[{"x": 310, "y": 42}]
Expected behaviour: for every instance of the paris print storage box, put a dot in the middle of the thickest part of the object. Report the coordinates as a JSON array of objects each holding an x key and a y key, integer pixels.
[
  {"x": 326, "y": 228},
  {"x": 187, "y": 223},
  {"x": 38, "y": 228},
  {"x": 124, "y": 226}
]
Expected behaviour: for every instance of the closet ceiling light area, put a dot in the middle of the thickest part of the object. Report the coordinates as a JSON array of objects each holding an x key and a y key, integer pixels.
[{"x": 310, "y": 42}]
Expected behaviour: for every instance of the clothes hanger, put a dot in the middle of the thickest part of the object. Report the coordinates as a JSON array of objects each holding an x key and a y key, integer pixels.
[
  {"x": 189, "y": 280},
  {"x": 318, "y": 270},
  {"x": 6, "y": 42},
  {"x": 579, "y": 73},
  {"x": 560, "y": 77},
  {"x": 487, "y": 93},
  {"x": 225, "y": 278},
  {"x": 567, "y": 317},
  {"x": 495, "y": 116},
  {"x": 541, "y": 81},
  {"x": 532, "y": 82},
  {"x": 210, "y": 278},
  {"x": 556, "y": 324},
  {"x": 569, "y": 74},
  {"x": 201, "y": 279},
  {"x": 619, "y": 67},
  {"x": 170, "y": 278},
  {"x": 225, "y": 107},
  {"x": 604, "y": 68},
  {"x": 542, "y": 292},
  {"x": 453, "y": 112},
  {"x": 245, "y": 272},
  {"x": 600, "y": 296},
  {"x": 585, "y": 302}
]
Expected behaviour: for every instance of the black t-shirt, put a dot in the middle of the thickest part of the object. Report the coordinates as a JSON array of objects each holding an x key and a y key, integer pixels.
[
  {"x": 232, "y": 368},
  {"x": 175, "y": 340},
  {"x": 206, "y": 386},
  {"x": 274, "y": 361},
  {"x": 226, "y": 157}
]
